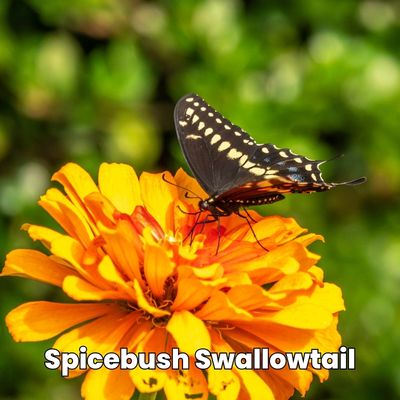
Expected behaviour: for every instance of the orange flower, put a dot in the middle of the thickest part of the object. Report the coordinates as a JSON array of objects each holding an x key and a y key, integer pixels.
[{"x": 141, "y": 286}]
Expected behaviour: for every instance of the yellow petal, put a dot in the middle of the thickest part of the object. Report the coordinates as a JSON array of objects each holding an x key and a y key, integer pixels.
[
  {"x": 297, "y": 281},
  {"x": 71, "y": 219},
  {"x": 302, "y": 316},
  {"x": 157, "y": 268},
  {"x": 224, "y": 384},
  {"x": 186, "y": 384},
  {"x": 81, "y": 290},
  {"x": 251, "y": 381},
  {"x": 77, "y": 184},
  {"x": 35, "y": 265},
  {"x": 42, "y": 320},
  {"x": 110, "y": 273},
  {"x": 158, "y": 198},
  {"x": 119, "y": 183},
  {"x": 144, "y": 303},
  {"x": 45, "y": 235},
  {"x": 105, "y": 384},
  {"x": 183, "y": 322}
]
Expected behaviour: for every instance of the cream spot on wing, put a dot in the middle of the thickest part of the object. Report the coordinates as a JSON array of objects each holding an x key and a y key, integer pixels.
[
  {"x": 265, "y": 150},
  {"x": 233, "y": 154},
  {"x": 313, "y": 177},
  {"x": 203, "y": 109},
  {"x": 215, "y": 139},
  {"x": 248, "y": 164},
  {"x": 182, "y": 123},
  {"x": 250, "y": 143},
  {"x": 257, "y": 171},
  {"x": 308, "y": 167},
  {"x": 189, "y": 99},
  {"x": 201, "y": 125},
  {"x": 219, "y": 120},
  {"x": 227, "y": 127},
  {"x": 195, "y": 118},
  {"x": 189, "y": 111},
  {"x": 223, "y": 146},
  {"x": 283, "y": 154},
  {"x": 238, "y": 133},
  {"x": 243, "y": 159},
  {"x": 246, "y": 141},
  {"x": 196, "y": 103},
  {"x": 208, "y": 131},
  {"x": 298, "y": 160},
  {"x": 271, "y": 172},
  {"x": 210, "y": 114},
  {"x": 194, "y": 137}
]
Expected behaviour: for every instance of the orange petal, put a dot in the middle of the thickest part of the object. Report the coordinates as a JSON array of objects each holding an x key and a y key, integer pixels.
[
  {"x": 124, "y": 247},
  {"x": 249, "y": 297},
  {"x": 81, "y": 290},
  {"x": 67, "y": 215},
  {"x": 157, "y": 268},
  {"x": 101, "y": 209},
  {"x": 105, "y": 384},
  {"x": 119, "y": 183},
  {"x": 183, "y": 322},
  {"x": 35, "y": 265},
  {"x": 41, "y": 320},
  {"x": 219, "y": 308},
  {"x": 190, "y": 185},
  {"x": 158, "y": 198},
  {"x": 191, "y": 293}
]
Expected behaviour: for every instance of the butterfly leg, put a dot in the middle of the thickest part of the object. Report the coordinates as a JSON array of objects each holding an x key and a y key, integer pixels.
[
  {"x": 251, "y": 228},
  {"x": 247, "y": 213}
]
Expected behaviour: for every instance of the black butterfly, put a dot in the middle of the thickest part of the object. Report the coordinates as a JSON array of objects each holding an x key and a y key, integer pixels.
[{"x": 233, "y": 169}]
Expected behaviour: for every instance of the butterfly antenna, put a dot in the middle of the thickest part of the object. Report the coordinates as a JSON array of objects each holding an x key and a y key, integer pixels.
[{"x": 196, "y": 196}]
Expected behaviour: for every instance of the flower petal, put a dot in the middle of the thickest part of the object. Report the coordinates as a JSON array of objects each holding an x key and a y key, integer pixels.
[
  {"x": 35, "y": 265},
  {"x": 105, "y": 384},
  {"x": 81, "y": 290},
  {"x": 157, "y": 268},
  {"x": 71, "y": 219},
  {"x": 183, "y": 322},
  {"x": 120, "y": 184},
  {"x": 77, "y": 184},
  {"x": 41, "y": 320},
  {"x": 158, "y": 197}
]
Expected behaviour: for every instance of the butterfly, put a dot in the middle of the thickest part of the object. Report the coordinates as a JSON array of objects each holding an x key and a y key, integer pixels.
[{"x": 234, "y": 170}]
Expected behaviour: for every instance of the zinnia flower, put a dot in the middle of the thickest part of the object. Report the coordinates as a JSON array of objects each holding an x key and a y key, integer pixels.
[{"x": 140, "y": 279}]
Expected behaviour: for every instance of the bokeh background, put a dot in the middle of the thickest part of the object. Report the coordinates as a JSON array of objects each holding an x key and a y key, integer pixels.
[{"x": 96, "y": 80}]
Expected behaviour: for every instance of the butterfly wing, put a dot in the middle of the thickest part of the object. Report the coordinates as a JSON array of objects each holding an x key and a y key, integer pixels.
[{"x": 225, "y": 159}]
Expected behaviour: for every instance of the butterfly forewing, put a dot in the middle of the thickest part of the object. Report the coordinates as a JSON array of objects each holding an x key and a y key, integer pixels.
[{"x": 223, "y": 157}]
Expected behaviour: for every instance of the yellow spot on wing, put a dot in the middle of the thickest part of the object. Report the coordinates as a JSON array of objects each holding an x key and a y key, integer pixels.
[
  {"x": 223, "y": 146},
  {"x": 215, "y": 139}
]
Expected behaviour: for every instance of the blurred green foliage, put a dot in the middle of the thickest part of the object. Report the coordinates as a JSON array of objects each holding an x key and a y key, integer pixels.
[{"x": 96, "y": 80}]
